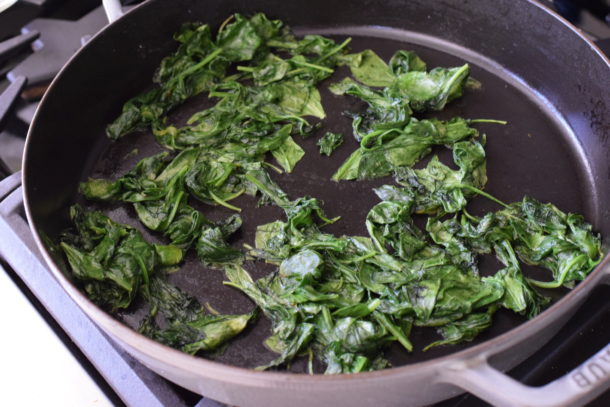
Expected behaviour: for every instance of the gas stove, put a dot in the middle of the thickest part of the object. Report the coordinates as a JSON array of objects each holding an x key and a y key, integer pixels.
[{"x": 36, "y": 38}]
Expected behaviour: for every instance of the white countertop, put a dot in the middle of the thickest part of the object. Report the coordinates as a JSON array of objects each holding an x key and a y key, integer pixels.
[{"x": 36, "y": 368}]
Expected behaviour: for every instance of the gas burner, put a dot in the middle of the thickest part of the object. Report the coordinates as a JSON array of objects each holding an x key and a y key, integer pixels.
[
  {"x": 59, "y": 40},
  {"x": 51, "y": 31}
]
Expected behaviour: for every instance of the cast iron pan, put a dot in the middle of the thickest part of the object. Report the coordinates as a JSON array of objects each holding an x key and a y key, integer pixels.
[
  {"x": 528, "y": 156},
  {"x": 554, "y": 148}
]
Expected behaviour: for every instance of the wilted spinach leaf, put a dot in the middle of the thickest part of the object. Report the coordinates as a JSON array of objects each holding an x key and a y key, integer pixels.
[
  {"x": 329, "y": 142},
  {"x": 437, "y": 188},
  {"x": 369, "y": 69},
  {"x": 187, "y": 326},
  {"x": 112, "y": 262},
  {"x": 383, "y": 152}
]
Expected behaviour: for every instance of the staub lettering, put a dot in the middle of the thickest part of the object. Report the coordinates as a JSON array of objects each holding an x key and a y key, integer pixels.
[{"x": 594, "y": 370}]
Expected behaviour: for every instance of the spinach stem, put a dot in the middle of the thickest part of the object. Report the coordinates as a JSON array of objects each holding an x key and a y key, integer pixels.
[
  {"x": 400, "y": 336},
  {"x": 289, "y": 117},
  {"x": 281, "y": 44},
  {"x": 313, "y": 66},
  {"x": 503, "y": 122},
  {"x": 295, "y": 71},
  {"x": 224, "y": 23},
  {"x": 223, "y": 203},
  {"x": 376, "y": 135},
  {"x": 175, "y": 207},
  {"x": 144, "y": 271},
  {"x": 545, "y": 284},
  {"x": 328, "y": 320},
  {"x": 327, "y": 221},
  {"x": 212, "y": 310},
  {"x": 279, "y": 200},
  {"x": 469, "y": 216},
  {"x": 235, "y": 195},
  {"x": 455, "y": 77},
  {"x": 335, "y": 50},
  {"x": 559, "y": 282},
  {"x": 219, "y": 94},
  {"x": 234, "y": 285},
  {"x": 258, "y": 184},
  {"x": 485, "y": 194},
  {"x": 273, "y": 167},
  {"x": 200, "y": 64},
  {"x": 310, "y": 361},
  {"x": 366, "y": 256}
]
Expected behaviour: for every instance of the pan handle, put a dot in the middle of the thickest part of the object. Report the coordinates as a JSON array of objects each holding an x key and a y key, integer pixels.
[
  {"x": 575, "y": 388},
  {"x": 113, "y": 9}
]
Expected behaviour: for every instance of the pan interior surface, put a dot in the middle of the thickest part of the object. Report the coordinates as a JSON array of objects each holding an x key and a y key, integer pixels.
[{"x": 535, "y": 154}]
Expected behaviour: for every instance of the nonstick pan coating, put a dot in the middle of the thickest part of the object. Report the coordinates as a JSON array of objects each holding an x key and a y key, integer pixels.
[{"x": 555, "y": 147}]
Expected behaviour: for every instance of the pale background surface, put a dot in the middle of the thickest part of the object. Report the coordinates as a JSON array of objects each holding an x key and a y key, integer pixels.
[{"x": 35, "y": 366}]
